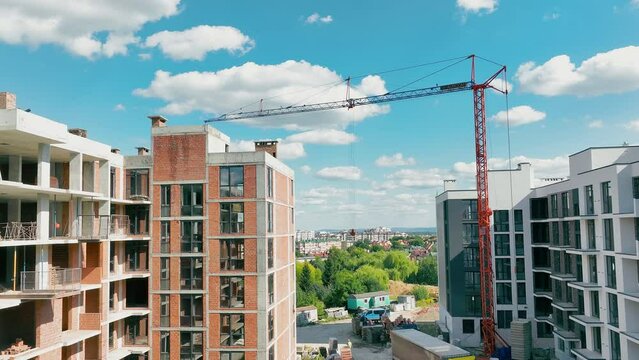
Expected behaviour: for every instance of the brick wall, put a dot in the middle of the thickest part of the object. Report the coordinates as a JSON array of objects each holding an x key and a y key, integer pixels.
[
  {"x": 48, "y": 321},
  {"x": 250, "y": 332},
  {"x": 179, "y": 157},
  {"x": 250, "y": 255}
]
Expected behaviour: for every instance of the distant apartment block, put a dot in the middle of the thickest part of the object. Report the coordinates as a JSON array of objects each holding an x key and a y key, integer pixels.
[{"x": 573, "y": 245}]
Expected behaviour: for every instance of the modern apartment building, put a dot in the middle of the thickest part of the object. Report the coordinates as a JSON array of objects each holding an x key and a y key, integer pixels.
[
  {"x": 73, "y": 244},
  {"x": 581, "y": 236}
]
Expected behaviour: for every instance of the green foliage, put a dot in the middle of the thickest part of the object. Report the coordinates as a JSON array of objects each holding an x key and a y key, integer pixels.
[
  {"x": 373, "y": 279},
  {"x": 308, "y": 276},
  {"x": 420, "y": 293},
  {"x": 416, "y": 241},
  {"x": 399, "y": 261},
  {"x": 426, "y": 272},
  {"x": 345, "y": 283}
]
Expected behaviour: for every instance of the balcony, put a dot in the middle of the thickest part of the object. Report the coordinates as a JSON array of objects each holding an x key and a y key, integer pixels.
[
  {"x": 54, "y": 280},
  {"x": 93, "y": 227},
  {"x": 120, "y": 225}
]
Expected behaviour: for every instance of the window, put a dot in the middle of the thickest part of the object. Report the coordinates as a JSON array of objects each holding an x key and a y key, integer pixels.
[
  {"x": 556, "y": 263},
  {"x": 232, "y": 355},
  {"x": 165, "y": 200},
  {"x": 519, "y": 244},
  {"x": 165, "y": 237},
  {"x": 271, "y": 289},
  {"x": 112, "y": 256},
  {"x": 606, "y": 198},
  {"x": 470, "y": 234},
  {"x": 608, "y": 234},
  {"x": 165, "y": 311},
  {"x": 501, "y": 220},
  {"x": 472, "y": 281},
  {"x": 112, "y": 335},
  {"x": 592, "y": 263},
  {"x": 590, "y": 227},
  {"x": 271, "y": 325},
  {"x": 470, "y": 213},
  {"x": 468, "y": 326},
  {"x": 555, "y": 232},
  {"x": 596, "y": 339},
  {"x": 503, "y": 269},
  {"x": 611, "y": 272},
  {"x": 504, "y": 318},
  {"x": 231, "y": 181},
  {"x": 192, "y": 200},
  {"x": 191, "y": 310},
  {"x": 615, "y": 346},
  {"x": 191, "y": 344},
  {"x": 232, "y": 218},
  {"x": 473, "y": 305},
  {"x": 544, "y": 330},
  {"x": 561, "y": 345},
  {"x": 565, "y": 207},
  {"x": 232, "y": 330},
  {"x": 292, "y": 215},
  {"x": 577, "y": 227},
  {"x": 137, "y": 182},
  {"x": 635, "y": 187},
  {"x": 111, "y": 296},
  {"x": 520, "y": 268},
  {"x": 613, "y": 310},
  {"x": 269, "y": 182},
  {"x": 521, "y": 294},
  {"x": 164, "y": 273},
  {"x": 575, "y": 202},
  {"x": 471, "y": 258},
  {"x": 271, "y": 353},
  {"x": 112, "y": 182},
  {"x": 565, "y": 230},
  {"x": 521, "y": 314},
  {"x": 191, "y": 273},
  {"x": 519, "y": 220},
  {"x": 232, "y": 254},
  {"x": 232, "y": 291},
  {"x": 269, "y": 253},
  {"x": 502, "y": 245},
  {"x": 590, "y": 200},
  {"x": 165, "y": 345},
  {"x": 637, "y": 229},
  {"x": 191, "y": 236},
  {"x": 269, "y": 217},
  {"x": 504, "y": 294},
  {"x": 554, "y": 211}
]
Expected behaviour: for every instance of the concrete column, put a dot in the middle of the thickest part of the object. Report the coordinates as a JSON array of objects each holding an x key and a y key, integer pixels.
[
  {"x": 43, "y": 216},
  {"x": 88, "y": 183},
  {"x": 44, "y": 165},
  {"x": 42, "y": 267},
  {"x": 105, "y": 178},
  {"x": 75, "y": 172},
  {"x": 15, "y": 168}
]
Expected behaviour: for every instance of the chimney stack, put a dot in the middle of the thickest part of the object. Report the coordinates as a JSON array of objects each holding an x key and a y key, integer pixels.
[
  {"x": 115, "y": 150},
  {"x": 269, "y": 146},
  {"x": 7, "y": 101},
  {"x": 79, "y": 132},
  {"x": 157, "y": 121},
  {"x": 142, "y": 151}
]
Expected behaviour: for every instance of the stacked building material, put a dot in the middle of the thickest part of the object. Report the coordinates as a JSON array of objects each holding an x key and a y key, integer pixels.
[
  {"x": 521, "y": 339},
  {"x": 16, "y": 348}
]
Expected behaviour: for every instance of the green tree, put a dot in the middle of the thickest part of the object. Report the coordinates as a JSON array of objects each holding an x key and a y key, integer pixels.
[
  {"x": 416, "y": 241},
  {"x": 345, "y": 283},
  {"x": 426, "y": 272},
  {"x": 336, "y": 261},
  {"x": 399, "y": 261},
  {"x": 420, "y": 292},
  {"x": 374, "y": 279}
]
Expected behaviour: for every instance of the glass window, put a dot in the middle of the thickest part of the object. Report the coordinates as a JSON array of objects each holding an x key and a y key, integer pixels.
[
  {"x": 269, "y": 252},
  {"x": 191, "y": 310},
  {"x": 269, "y": 217},
  {"x": 472, "y": 281},
  {"x": 596, "y": 339},
  {"x": 635, "y": 187},
  {"x": 519, "y": 244},
  {"x": 504, "y": 318},
  {"x": 165, "y": 200},
  {"x": 192, "y": 200},
  {"x": 271, "y": 353},
  {"x": 501, "y": 220},
  {"x": 232, "y": 254},
  {"x": 191, "y": 344},
  {"x": 232, "y": 218},
  {"x": 165, "y": 345},
  {"x": 544, "y": 330},
  {"x": 111, "y": 296},
  {"x": 521, "y": 294},
  {"x": 232, "y": 291},
  {"x": 504, "y": 294},
  {"x": 521, "y": 314},
  {"x": 554, "y": 227},
  {"x": 554, "y": 209},
  {"x": 231, "y": 181},
  {"x": 565, "y": 205},
  {"x": 470, "y": 233},
  {"x": 565, "y": 230},
  {"x": 271, "y": 289},
  {"x": 271, "y": 325},
  {"x": 606, "y": 197},
  {"x": 471, "y": 258},
  {"x": 590, "y": 227},
  {"x": 615, "y": 346},
  {"x": 269, "y": 182},
  {"x": 191, "y": 273},
  {"x": 519, "y": 220},
  {"x": 232, "y": 329},
  {"x": 590, "y": 200},
  {"x": 577, "y": 227},
  {"x": 592, "y": 263},
  {"x": 165, "y": 311},
  {"x": 502, "y": 244},
  {"x": 468, "y": 326},
  {"x": 232, "y": 355},
  {"x": 608, "y": 234},
  {"x": 575, "y": 202},
  {"x": 164, "y": 273},
  {"x": 611, "y": 272},
  {"x": 470, "y": 212},
  {"x": 191, "y": 236},
  {"x": 473, "y": 305},
  {"x": 613, "y": 310},
  {"x": 503, "y": 269},
  {"x": 165, "y": 237},
  {"x": 637, "y": 229},
  {"x": 520, "y": 266},
  {"x": 137, "y": 182}
]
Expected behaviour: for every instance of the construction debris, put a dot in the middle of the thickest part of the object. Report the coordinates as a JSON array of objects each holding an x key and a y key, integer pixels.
[{"x": 16, "y": 348}]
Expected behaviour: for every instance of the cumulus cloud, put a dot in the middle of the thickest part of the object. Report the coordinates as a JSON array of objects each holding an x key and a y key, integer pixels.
[
  {"x": 350, "y": 173},
  {"x": 544, "y": 168},
  {"x": 323, "y": 137},
  {"x": 305, "y": 169},
  {"x": 615, "y": 71},
  {"x": 196, "y": 42},
  {"x": 119, "y": 107},
  {"x": 632, "y": 125},
  {"x": 285, "y": 150},
  {"x": 500, "y": 84},
  {"x": 397, "y": 159},
  {"x": 478, "y": 6},
  {"x": 281, "y": 85},
  {"x": 596, "y": 124},
  {"x": 76, "y": 24},
  {"x": 144, "y": 56},
  {"x": 317, "y": 18},
  {"x": 429, "y": 178},
  {"x": 519, "y": 115}
]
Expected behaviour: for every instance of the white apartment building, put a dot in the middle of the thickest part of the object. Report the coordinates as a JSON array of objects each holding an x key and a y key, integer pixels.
[{"x": 580, "y": 255}]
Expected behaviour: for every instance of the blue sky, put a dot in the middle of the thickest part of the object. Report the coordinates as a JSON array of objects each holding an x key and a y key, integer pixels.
[{"x": 106, "y": 65}]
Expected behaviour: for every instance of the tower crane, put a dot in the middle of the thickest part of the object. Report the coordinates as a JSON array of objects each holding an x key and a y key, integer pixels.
[{"x": 481, "y": 159}]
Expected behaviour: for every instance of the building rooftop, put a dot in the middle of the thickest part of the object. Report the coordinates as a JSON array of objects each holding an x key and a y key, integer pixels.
[
  {"x": 368, "y": 295},
  {"x": 431, "y": 344},
  {"x": 305, "y": 308}
]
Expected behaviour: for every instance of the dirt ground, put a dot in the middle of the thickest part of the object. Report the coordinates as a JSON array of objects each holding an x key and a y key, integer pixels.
[{"x": 400, "y": 288}]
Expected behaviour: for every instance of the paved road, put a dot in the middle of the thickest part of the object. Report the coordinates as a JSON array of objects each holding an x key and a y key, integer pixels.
[{"x": 319, "y": 334}]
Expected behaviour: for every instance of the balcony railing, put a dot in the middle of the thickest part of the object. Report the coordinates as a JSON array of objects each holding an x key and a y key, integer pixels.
[
  {"x": 120, "y": 225},
  {"x": 52, "y": 280},
  {"x": 19, "y": 231},
  {"x": 93, "y": 226},
  {"x": 136, "y": 340}
]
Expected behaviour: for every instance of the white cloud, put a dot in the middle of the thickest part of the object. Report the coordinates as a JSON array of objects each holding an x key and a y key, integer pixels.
[
  {"x": 596, "y": 124},
  {"x": 615, "y": 71},
  {"x": 632, "y": 125},
  {"x": 323, "y": 137},
  {"x": 285, "y": 150},
  {"x": 79, "y": 25},
  {"x": 478, "y": 6},
  {"x": 305, "y": 169},
  {"x": 350, "y": 173},
  {"x": 552, "y": 16},
  {"x": 634, "y": 3},
  {"x": 397, "y": 159},
  {"x": 281, "y": 85},
  {"x": 119, "y": 107},
  {"x": 317, "y": 18},
  {"x": 500, "y": 84},
  {"x": 543, "y": 168},
  {"x": 196, "y": 42},
  {"x": 242, "y": 146},
  {"x": 144, "y": 56},
  {"x": 519, "y": 115},
  {"x": 429, "y": 178}
]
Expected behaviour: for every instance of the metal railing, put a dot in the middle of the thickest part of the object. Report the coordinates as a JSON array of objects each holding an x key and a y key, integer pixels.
[
  {"x": 120, "y": 225},
  {"x": 19, "y": 231},
  {"x": 93, "y": 226},
  {"x": 132, "y": 339},
  {"x": 53, "y": 280}
]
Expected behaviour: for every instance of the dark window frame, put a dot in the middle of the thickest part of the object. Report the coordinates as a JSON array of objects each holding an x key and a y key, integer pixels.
[
  {"x": 232, "y": 292},
  {"x": 230, "y": 185},
  {"x": 232, "y": 252}
]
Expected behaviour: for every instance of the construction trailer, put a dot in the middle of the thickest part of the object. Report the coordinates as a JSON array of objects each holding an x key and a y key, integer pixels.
[
  {"x": 368, "y": 300},
  {"x": 410, "y": 344}
]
